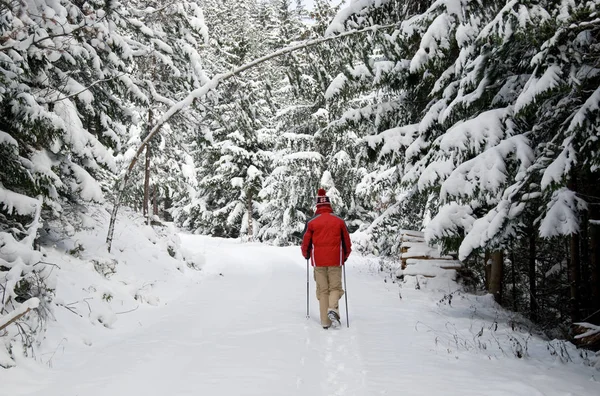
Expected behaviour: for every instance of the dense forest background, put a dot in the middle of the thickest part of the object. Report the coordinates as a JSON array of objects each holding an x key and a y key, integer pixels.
[{"x": 475, "y": 121}]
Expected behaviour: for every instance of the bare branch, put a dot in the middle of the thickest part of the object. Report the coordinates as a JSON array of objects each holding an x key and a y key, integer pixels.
[{"x": 13, "y": 320}]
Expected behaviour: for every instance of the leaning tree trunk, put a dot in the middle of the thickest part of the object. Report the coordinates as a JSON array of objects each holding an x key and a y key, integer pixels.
[
  {"x": 198, "y": 93},
  {"x": 497, "y": 270}
]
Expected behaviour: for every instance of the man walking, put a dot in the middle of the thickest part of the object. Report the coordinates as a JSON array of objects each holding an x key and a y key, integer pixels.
[{"x": 327, "y": 242}]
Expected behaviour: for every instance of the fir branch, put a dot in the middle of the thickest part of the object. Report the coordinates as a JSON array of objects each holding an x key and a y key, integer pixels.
[
  {"x": 204, "y": 90},
  {"x": 83, "y": 90}
]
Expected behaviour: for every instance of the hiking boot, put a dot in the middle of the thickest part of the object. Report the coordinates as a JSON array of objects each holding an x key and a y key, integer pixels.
[{"x": 334, "y": 317}]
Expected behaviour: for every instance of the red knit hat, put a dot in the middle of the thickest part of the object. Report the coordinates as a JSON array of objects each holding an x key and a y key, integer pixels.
[{"x": 322, "y": 198}]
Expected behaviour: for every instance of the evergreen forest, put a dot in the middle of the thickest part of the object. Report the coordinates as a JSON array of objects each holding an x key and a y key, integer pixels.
[{"x": 476, "y": 122}]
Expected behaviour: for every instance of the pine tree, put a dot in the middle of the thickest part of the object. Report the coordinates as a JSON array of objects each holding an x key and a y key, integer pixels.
[
  {"x": 71, "y": 88},
  {"x": 231, "y": 162},
  {"x": 489, "y": 122}
]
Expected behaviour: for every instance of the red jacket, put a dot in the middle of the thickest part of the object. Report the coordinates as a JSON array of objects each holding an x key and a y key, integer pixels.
[{"x": 326, "y": 240}]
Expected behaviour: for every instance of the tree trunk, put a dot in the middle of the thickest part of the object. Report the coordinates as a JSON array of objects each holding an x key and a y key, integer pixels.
[
  {"x": 167, "y": 203},
  {"x": 154, "y": 201},
  {"x": 488, "y": 269},
  {"x": 497, "y": 259},
  {"x": 574, "y": 265},
  {"x": 146, "y": 210},
  {"x": 532, "y": 276},
  {"x": 574, "y": 280},
  {"x": 250, "y": 211},
  {"x": 595, "y": 260},
  {"x": 147, "y": 184},
  {"x": 585, "y": 287},
  {"x": 514, "y": 277}
]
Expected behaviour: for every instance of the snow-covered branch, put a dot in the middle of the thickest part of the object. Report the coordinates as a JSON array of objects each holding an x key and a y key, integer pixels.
[
  {"x": 15, "y": 315},
  {"x": 204, "y": 90}
]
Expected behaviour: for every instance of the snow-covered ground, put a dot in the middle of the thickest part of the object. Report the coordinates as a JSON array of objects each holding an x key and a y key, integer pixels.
[{"x": 239, "y": 327}]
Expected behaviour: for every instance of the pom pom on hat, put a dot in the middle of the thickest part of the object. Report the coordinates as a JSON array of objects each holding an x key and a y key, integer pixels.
[{"x": 322, "y": 198}]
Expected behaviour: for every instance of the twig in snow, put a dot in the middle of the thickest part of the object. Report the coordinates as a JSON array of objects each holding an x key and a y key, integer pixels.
[
  {"x": 124, "y": 312},
  {"x": 69, "y": 309}
]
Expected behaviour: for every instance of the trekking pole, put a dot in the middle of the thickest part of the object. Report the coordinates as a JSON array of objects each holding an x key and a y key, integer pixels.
[
  {"x": 307, "y": 290},
  {"x": 346, "y": 295}
]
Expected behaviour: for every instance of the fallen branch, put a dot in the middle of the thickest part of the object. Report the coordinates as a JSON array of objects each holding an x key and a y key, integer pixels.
[
  {"x": 69, "y": 309},
  {"x": 18, "y": 313},
  {"x": 124, "y": 312}
]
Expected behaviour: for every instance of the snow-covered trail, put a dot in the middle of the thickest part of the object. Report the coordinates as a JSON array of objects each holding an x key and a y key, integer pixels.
[{"x": 240, "y": 329}]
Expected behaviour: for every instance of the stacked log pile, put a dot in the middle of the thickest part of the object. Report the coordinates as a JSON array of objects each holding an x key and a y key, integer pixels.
[{"x": 419, "y": 258}]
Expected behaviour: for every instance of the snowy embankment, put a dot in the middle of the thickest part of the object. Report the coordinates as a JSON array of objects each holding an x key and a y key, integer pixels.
[{"x": 239, "y": 327}]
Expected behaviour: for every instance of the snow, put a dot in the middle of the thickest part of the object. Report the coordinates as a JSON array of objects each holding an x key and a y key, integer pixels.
[
  {"x": 238, "y": 327},
  {"x": 355, "y": 7},
  {"x": 591, "y": 105},
  {"x": 304, "y": 155},
  {"x": 485, "y": 130},
  {"x": 393, "y": 139},
  {"x": 498, "y": 25},
  {"x": 72, "y": 87},
  {"x": 5, "y": 138},
  {"x": 593, "y": 330},
  {"x": 536, "y": 86},
  {"x": 88, "y": 187},
  {"x": 561, "y": 165},
  {"x": 188, "y": 170},
  {"x": 434, "y": 40},
  {"x": 336, "y": 86},
  {"x": 449, "y": 220},
  {"x": 484, "y": 229},
  {"x": 81, "y": 141},
  {"x": 487, "y": 171},
  {"x": 13, "y": 202},
  {"x": 253, "y": 173},
  {"x": 32, "y": 303},
  {"x": 562, "y": 217},
  {"x": 426, "y": 268}
]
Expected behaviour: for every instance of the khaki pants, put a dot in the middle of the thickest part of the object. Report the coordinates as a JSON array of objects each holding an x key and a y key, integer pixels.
[{"x": 329, "y": 290}]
